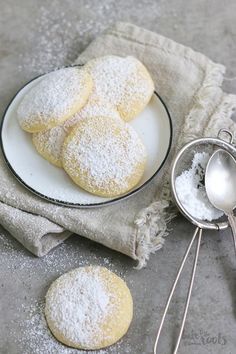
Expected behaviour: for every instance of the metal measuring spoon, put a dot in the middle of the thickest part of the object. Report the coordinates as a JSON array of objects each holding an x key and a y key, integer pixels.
[{"x": 220, "y": 183}]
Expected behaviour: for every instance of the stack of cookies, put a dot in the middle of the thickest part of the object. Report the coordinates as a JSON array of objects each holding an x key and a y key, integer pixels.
[{"x": 78, "y": 117}]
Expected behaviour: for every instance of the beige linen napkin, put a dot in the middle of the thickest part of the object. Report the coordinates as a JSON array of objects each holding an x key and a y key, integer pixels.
[{"x": 190, "y": 84}]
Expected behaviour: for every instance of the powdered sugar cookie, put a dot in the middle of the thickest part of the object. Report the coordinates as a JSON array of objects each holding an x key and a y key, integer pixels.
[
  {"x": 49, "y": 143},
  {"x": 104, "y": 156},
  {"x": 54, "y": 99},
  {"x": 124, "y": 82},
  {"x": 89, "y": 308}
]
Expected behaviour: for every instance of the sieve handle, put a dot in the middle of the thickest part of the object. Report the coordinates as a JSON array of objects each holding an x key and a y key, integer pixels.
[
  {"x": 198, "y": 232},
  {"x": 232, "y": 222},
  {"x": 227, "y": 132}
]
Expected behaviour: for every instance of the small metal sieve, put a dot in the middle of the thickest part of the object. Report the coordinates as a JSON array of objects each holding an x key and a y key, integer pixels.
[{"x": 182, "y": 162}]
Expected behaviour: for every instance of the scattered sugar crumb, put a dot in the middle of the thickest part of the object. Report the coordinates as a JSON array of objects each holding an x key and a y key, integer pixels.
[
  {"x": 59, "y": 32},
  {"x": 11, "y": 257}
]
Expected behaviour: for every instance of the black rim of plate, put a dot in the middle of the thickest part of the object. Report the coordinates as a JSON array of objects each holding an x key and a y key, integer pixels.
[{"x": 77, "y": 205}]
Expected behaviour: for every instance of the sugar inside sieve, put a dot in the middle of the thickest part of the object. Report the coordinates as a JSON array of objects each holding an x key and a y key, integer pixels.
[{"x": 182, "y": 162}]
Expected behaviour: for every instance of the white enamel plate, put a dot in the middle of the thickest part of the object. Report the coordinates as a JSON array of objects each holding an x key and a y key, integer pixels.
[{"x": 52, "y": 183}]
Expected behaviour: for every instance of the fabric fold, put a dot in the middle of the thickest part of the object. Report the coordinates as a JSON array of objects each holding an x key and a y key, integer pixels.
[{"x": 38, "y": 234}]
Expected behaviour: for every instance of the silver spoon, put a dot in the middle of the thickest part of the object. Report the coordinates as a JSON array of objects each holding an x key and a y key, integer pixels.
[{"x": 220, "y": 183}]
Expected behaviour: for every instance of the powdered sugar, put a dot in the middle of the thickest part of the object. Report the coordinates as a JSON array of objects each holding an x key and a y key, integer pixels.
[
  {"x": 191, "y": 190},
  {"x": 54, "y": 98},
  {"x": 50, "y": 142},
  {"x": 38, "y": 339},
  {"x": 94, "y": 108},
  {"x": 108, "y": 153},
  {"x": 77, "y": 306},
  {"x": 110, "y": 75},
  {"x": 121, "y": 81},
  {"x": 60, "y": 30}
]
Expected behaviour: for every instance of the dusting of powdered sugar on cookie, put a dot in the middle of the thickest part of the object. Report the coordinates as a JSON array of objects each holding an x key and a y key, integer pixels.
[
  {"x": 77, "y": 306},
  {"x": 50, "y": 142},
  {"x": 114, "y": 77},
  {"x": 54, "y": 97},
  {"x": 107, "y": 153},
  {"x": 94, "y": 108}
]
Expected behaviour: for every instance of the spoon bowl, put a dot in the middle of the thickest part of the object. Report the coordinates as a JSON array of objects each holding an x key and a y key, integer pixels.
[{"x": 220, "y": 183}]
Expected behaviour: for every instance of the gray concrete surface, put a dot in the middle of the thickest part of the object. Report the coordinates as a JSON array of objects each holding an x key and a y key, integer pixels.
[{"x": 36, "y": 36}]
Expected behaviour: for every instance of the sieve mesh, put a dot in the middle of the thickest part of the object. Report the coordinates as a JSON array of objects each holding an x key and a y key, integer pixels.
[{"x": 183, "y": 161}]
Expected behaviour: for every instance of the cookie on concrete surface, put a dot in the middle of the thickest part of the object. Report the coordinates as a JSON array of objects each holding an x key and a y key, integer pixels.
[
  {"x": 49, "y": 143},
  {"x": 58, "y": 96},
  {"x": 104, "y": 156},
  {"x": 89, "y": 308},
  {"x": 123, "y": 81}
]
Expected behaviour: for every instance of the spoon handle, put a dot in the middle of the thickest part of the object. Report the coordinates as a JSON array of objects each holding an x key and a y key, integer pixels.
[{"x": 232, "y": 222}]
